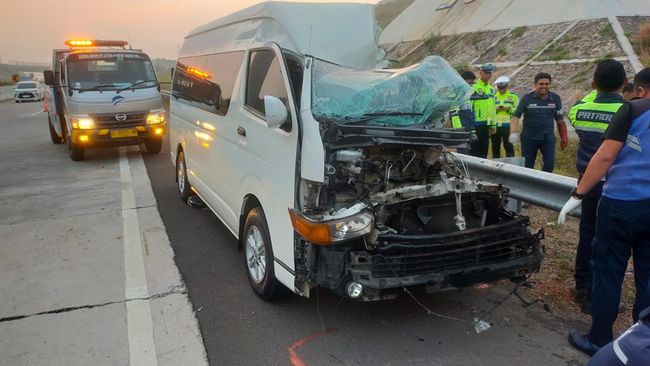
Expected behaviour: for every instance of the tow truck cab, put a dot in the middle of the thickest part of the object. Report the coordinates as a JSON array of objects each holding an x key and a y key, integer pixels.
[{"x": 103, "y": 94}]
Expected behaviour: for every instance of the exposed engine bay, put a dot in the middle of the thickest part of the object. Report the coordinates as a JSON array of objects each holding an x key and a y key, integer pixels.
[
  {"x": 404, "y": 211},
  {"x": 406, "y": 189}
]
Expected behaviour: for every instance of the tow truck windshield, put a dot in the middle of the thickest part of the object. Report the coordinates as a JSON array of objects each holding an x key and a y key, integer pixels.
[{"x": 110, "y": 71}]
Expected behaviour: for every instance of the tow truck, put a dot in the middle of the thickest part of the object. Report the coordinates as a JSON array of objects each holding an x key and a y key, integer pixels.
[{"x": 103, "y": 94}]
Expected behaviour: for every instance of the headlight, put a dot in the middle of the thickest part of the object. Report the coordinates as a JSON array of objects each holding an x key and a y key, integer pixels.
[
  {"x": 155, "y": 118},
  {"x": 82, "y": 123},
  {"x": 334, "y": 231}
]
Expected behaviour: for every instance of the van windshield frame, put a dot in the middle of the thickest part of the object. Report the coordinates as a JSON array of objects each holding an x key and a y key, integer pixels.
[{"x": 110, "y": 71}]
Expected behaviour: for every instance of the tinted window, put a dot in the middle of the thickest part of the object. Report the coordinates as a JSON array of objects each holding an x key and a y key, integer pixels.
[
  {"x": 265, "y": 78},
  {"x": 207, "y": 82}
]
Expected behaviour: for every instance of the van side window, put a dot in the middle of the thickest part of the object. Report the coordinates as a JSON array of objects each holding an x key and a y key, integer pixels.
[
  {"x": 207, "y": 82},
  {"x": 265, "y": 78}
]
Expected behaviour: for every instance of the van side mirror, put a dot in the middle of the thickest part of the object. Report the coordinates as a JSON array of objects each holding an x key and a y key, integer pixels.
[
  {"x": 275, "y": 111},
  {"x": 172, "y": 73},
  {"x": 48, "y": 77}
]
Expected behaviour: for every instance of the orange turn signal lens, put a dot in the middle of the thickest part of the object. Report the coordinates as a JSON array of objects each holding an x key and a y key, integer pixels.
[
  {"x": 83, "y": 138},
  {"x": 158, "y": 131},
  {"x": 310, "y": 231}
]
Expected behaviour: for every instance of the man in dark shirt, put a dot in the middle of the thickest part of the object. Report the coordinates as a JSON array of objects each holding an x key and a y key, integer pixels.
[
  {"x": 622, "y": 226},
  {"x": 542, "y": 110}
]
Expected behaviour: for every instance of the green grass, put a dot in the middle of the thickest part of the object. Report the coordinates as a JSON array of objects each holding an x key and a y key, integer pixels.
[
  {"x": 607, "y": 32},
  {"x": 431, "y": 42},
  {"x": 556, "y": 52},
  {"x": 476, "y": 39},
  {"x": 519, "y": 31},
  {"x": 385, "y": 13}
]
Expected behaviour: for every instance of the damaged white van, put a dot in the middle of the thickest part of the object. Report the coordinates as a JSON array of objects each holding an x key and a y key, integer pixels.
[{"x": 330, "y": 172}]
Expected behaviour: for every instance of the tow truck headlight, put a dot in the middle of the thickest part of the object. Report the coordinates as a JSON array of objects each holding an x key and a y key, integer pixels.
[
  {"x": 82, "y": 123},
  {"x": 155, "y": 118},
  {"x": 333, "y": 231}
]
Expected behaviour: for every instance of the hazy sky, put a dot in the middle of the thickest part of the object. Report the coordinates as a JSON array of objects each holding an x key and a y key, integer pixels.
[{"x": 30, "y": 29}]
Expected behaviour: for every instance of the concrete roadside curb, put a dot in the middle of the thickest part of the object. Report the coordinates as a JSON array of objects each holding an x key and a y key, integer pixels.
[{"x": 176, "y": 332}]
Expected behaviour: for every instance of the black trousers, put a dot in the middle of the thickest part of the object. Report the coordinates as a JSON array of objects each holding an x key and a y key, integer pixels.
[
  {"x": 501, "y": 136},
  {"x": 584, "y": 266},
  {"x": 482, "y": 143}
]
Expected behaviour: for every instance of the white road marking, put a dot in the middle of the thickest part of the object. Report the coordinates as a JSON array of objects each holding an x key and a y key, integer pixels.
[
  {"x": 36, "y": 113},
  {"x": 142, "y": 350}
]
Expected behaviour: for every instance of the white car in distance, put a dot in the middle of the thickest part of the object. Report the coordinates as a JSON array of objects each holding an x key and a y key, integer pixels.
[{"x": 26, "y": 91}]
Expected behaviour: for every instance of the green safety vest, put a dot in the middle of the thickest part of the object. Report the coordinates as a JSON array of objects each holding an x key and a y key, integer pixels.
[
  {"x": 483, "y": 104},
  {"x": 591, "y": 119},
  {"x": 455, "y": 118},
  {"x": 590, "y": 97},
  {"x": 592, "y": 116},
  {"x": 506, "y": 104}
]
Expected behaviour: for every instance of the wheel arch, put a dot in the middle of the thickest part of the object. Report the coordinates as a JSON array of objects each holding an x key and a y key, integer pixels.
[{"x": 250, "y": 202}]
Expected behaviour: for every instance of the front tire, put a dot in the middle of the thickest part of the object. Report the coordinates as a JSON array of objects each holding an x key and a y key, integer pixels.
[
  {"x": 183, "y": 184},
  {"x": 258, "y": 257},
  {"x": 76, "y": 152},
  {"x": 56, "y": 139},
  {"x": 152, "y": 146}
]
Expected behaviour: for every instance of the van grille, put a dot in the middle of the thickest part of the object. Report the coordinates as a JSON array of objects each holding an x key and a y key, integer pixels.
[
  {"x": 107, "y": 120},
  {"x": 509, "y": 242}
]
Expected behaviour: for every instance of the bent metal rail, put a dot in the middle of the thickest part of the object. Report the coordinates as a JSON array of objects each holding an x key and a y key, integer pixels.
[{"x": 540, "y": 188}]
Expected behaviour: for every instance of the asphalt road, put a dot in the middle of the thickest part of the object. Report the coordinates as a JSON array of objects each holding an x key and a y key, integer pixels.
[
  {"x": 240, "y": 329},
  {"x": 87, "y": 275}
]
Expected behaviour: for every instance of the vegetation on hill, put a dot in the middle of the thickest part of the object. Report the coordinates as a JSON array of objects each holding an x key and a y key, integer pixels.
[{"x": 387, "y": 10}]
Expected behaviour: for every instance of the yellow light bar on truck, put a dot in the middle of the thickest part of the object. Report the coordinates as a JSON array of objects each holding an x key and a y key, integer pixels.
[{"x": 94, "y": 43}]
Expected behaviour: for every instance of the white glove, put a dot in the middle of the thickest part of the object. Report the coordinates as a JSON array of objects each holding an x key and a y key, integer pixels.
[
  {"x": 513, "y": 138},
  {"x": 569, "y": 206}
]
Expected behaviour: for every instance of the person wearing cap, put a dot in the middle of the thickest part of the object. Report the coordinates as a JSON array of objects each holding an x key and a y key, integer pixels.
[
  {"x": 484, "y": 110},
  {"x": 590, "y": 120},
  {"x": 541, "y": 110},
  {"x": 623, "y": 219},
  {"x": 506, "y": 104}
]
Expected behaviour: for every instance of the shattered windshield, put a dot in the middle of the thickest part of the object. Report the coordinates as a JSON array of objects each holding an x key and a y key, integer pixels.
[{"x": 400, "y": 97}]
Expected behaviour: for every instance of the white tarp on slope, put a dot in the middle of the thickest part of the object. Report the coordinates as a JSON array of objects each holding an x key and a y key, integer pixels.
[
  {"x": 341, "y": 33},
  {"x": 422, "y": 18}
]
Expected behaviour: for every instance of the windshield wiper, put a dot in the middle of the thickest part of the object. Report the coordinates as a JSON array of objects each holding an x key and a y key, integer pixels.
[
  {"x": 96, "y": 87},
  {"x": 135, "y": 84},
  {"x": 371, "y": 116}
]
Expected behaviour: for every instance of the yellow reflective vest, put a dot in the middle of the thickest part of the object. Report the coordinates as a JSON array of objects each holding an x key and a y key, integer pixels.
[
  {"x": 506, "y": 104},
  {"x": 483, "y": 104}
]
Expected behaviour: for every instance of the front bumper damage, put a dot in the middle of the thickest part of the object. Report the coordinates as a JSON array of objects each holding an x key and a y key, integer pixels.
[{"x": 436, "y": 262}]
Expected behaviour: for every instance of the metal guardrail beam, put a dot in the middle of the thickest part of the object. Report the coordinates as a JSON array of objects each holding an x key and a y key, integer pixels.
[{"x": 539, "y": 188}]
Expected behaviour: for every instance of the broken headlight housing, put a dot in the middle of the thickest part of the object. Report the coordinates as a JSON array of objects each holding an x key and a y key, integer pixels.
[{"x": 332, "y": 231}]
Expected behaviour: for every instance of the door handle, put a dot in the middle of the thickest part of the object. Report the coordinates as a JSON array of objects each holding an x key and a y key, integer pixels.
[{"x": 241, "y": 131}]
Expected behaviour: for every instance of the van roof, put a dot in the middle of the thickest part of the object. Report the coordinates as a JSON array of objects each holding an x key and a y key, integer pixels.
[{"x": 344, "y": 34}]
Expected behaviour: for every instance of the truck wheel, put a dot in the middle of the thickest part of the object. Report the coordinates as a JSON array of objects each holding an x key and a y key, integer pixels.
[
  {"x": 56, "y": 139},
  {"x": 258, "y": 257},
  {"x": 153, "y": 146},
  {"x": 184, "y": 188},
  {"x": 76, "y": 152}
]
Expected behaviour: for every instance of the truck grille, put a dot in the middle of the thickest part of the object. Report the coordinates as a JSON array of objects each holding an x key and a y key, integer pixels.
[
  {"x": 454, "y": 252},
  {"x": 110, "y": 120}
]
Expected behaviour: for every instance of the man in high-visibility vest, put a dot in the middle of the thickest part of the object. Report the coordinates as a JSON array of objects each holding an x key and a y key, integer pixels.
[
  {"x": 506, "y": 104},
  {"x": 463, "y": 116},
  {"x": 591, "y": 119},
  {"x": 484, "y": 110},
  {"x": 622, "y": 224}
]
